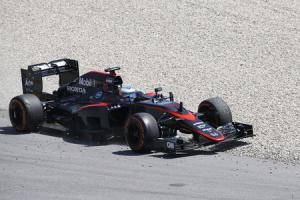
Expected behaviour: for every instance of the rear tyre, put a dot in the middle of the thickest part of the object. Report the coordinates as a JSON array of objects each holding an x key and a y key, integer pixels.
[
  {"x": 26, "y": 113},
  {"x": 141, "y": 130},
  {"x": 216, "y": 111}
]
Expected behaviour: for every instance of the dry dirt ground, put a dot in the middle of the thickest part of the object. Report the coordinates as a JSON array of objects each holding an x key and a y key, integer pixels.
[{"x": 246, "y": 52}]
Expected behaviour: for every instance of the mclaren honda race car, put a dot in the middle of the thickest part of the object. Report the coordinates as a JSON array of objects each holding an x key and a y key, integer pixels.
[{"x": 97, "y": 105}]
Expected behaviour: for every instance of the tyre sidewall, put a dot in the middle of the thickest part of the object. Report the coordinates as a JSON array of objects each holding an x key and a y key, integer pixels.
[
  {"x": 148, "y": 131},
  {"x": 220, "y": 113},
  {"x": 32, "y": 111}
]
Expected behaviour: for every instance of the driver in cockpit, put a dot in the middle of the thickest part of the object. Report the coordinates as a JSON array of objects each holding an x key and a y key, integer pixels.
[{"x": 129, "y": 92}]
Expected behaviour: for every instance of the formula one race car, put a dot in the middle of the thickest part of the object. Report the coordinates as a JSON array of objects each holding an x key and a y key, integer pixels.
[{"x": 97, "y": 105}]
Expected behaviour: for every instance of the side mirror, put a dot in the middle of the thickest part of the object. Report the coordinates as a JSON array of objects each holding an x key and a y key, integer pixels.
[
  {"x": 180, "y": 109},
  {"x": 171, "y": 96},
  {"x": 117, "y": 81}
]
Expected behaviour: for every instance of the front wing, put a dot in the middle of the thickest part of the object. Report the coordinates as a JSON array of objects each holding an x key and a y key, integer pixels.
[{"x": 231, "y": 131}]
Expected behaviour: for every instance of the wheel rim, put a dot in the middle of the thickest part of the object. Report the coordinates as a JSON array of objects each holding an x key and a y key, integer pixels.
[
  {"x": 135, "y": 135},
  {"x": 209, "y": 114}
]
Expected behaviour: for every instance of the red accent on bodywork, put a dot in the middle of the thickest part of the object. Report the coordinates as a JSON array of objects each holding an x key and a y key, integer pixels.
[
  {"x": 191, "y": 117},
  {"x": 101, "y": 104},
  {"x": 188, "y": 116},
  {"x": 206, "y": 135},
  {"x": 149, "y": 94},
  {"x": 219, "y": 139},
  {"x": 102, "y": 73}
]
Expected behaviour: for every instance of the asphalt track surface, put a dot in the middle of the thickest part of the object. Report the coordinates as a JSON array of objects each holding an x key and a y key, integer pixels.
[
  {"x": 246, "y": 52},
  {"x": 47, "y": 166}
]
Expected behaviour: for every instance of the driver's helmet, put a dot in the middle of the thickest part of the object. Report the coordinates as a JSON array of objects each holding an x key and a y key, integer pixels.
[{"x": 128, "y": 91}]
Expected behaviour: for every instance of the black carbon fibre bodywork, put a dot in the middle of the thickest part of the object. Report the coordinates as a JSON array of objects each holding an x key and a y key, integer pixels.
[{"x": 97, "y": 103}]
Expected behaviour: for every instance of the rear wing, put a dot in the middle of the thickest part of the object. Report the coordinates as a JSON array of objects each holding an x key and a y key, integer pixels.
[{"x": 32, "y": 82}]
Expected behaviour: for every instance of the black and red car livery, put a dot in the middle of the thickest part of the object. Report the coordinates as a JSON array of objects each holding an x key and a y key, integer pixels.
[{"x": 97, "y": 105}]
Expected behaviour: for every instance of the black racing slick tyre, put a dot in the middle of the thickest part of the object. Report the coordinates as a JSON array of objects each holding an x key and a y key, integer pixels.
[
  {"x": 215, "y": 111},
  {"x": 141, "y": 131},
  {"x": 26, "y": 113}
]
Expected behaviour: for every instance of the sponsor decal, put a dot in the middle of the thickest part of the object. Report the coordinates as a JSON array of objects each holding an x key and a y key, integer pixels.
[
  {"x": 201, "y": 126},
  {"x": 87, "y": 82},
  {"x": 28, "y": 83},
  {"x": 98, "y": 95},
  {"x": 170, "y": 145},
  {"x": 207, "y": 129},
  {"x": 198, "y": 123},
  {"x": 76, "y": 89},
  {"x": 60, "y": 63},
  {"x": 214, "y": 134},
  {"x": 109, "y": 80},
  {"x": 41, "y": 67}
]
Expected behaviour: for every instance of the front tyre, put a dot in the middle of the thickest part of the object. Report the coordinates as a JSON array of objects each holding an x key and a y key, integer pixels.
[
  {"x": 215, "y": 111},
  {"x": 141, "y": 131},
  {"x": 26, "y": 112}
]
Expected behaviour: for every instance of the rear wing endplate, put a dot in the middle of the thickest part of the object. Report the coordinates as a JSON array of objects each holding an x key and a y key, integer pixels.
[{"x": 32, "y": 82}]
